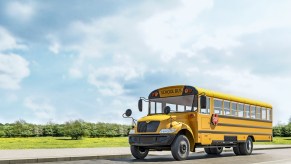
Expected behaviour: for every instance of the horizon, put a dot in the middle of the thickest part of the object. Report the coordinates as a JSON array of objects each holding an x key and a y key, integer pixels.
[{"x": 94, "y": 60}]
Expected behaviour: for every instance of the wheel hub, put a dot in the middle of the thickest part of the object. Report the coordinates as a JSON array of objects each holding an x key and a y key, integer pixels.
[
  {"x": 183, "y": 148},
  {"x": 249, "y": 145}
]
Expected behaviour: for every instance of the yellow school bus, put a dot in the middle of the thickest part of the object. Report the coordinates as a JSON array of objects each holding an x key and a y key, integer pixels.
[{"x": 182, "y": 118}]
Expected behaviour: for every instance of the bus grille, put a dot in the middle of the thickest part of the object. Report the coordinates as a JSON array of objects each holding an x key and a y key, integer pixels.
[{"x": 148, "y": 127}]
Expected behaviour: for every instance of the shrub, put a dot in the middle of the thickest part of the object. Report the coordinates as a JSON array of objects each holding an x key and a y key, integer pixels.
[{"x": 76, "y": 129}]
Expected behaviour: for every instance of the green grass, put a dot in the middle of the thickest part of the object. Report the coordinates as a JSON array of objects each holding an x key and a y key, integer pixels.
[
  {"x": 61, "y": 142},
  {"x": 65, "y": 142},
  {"x": 277, "y": 140}
]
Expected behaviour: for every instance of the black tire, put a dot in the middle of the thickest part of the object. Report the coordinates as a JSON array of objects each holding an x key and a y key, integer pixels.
[
  {"x": 139, "y": 152},
  {"x": 236, "y": 150},
  {"x": 216, "y": 150},
  {"x": 207, "y": 150},
  {"x": 180, "y": 148},
  {"x": 246, "y": 148}
]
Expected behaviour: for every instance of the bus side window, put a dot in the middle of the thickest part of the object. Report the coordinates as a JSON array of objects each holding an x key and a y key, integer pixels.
[
  {"x": 217, "y": 106},
  {"x": 207, "y": 109},
  {"x": 247, "y": 109},
  {"x": 240, "y": 110},
  {"x": 264, "y": 114},
  {"x": 233, "y": 108},
  {"x": 269, "y": 114},
  {"x": 258, "y": 111},
  {"x": 253, "y": 112},
  {"x": 226, "y": 107}
]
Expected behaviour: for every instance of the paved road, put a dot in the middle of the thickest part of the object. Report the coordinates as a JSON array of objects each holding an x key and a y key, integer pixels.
[{"x": 273, "y": 156}]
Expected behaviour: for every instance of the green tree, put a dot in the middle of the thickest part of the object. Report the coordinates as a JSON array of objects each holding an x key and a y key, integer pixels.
[
  {"x": 277, "y": 131},
  {"x": 286, "y": 131},
  {"x": 76, "y": 129}
]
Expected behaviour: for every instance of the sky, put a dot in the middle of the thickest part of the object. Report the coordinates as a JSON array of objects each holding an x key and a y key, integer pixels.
[{"x": 92, "y": 60}]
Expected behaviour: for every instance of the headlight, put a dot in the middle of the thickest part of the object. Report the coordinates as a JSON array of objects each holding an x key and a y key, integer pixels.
[
  {"x": 132, "y": 131},
  {"x": 168, "y": 130}
]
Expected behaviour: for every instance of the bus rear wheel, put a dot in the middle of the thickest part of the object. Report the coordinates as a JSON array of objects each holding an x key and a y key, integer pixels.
[
  {"x": 139, "y": 152},
  {"x": 236, "y": 149},
  {"x": 246, "y": 148},
  {"x": 214, "y": 151},
  {"x": 207, "y": 150},
  {"x": 180, "y": 148}
]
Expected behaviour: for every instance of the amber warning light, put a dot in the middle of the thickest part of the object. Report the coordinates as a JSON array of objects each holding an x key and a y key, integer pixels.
[{"x": 188, "y": 90}]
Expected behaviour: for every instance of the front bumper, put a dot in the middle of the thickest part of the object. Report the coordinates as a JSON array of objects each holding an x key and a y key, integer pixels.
[{"x": 151, "y": 140}]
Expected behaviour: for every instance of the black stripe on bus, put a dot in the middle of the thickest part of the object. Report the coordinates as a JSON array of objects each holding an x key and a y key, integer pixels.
[
  {"x": 263, "y": 141},
  {"x": 244, "y": 126},
  {"x": 241, "y": 118},
  {"x": 226, "y": 132}
]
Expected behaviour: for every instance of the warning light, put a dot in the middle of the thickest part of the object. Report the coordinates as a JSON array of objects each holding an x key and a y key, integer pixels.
[
  {"x": 155, "y": 94},
  {"x": 188, "y": 90}
]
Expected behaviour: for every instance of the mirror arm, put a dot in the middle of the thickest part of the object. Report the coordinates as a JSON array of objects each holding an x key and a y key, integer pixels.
[
  {"x": 133, "y": 120},
  {"x": 144, "y": 99}
]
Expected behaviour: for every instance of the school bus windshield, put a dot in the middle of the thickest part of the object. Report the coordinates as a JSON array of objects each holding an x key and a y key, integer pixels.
[{"x": 177, "y": 104}]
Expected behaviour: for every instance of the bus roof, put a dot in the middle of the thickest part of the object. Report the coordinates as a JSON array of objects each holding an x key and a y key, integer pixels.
[
  {"x": 180, "y": 90},
  {"x": 224, "y": 96}
]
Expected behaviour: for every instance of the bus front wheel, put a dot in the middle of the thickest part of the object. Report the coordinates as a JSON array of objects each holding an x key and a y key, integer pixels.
[
  {"x": 180, "y": 148},
  {"x": 139, "y": 152}
]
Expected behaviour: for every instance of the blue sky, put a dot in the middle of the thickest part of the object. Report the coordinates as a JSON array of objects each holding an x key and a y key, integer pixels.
[{"x": 91, "y": 60}]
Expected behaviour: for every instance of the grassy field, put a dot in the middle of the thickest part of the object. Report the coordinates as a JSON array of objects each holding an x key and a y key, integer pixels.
[
  {"x": 277, "y": 140},
  {"x": 63, "y": 142}
]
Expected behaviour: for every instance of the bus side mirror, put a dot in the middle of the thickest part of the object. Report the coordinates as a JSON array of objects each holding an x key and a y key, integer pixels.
[
  {"x": 203, "y": 102},
  {"x": 140, "y": 105},
  {"x": 128, "y": 112},
  {"x": 167, "y": 110}
]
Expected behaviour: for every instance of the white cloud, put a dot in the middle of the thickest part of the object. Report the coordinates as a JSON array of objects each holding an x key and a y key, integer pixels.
[
  {"x": 243, "y": 83},
  {"x": 110, "y": 80},
  {"x": 13, "y": 69},
  {"x": 20, "y": 11},
  {"x": 11, "y": 98},
  {"x": 167, "y": 32},
  {"x": 7, "y": 41},
  {"x": 55, "y": 45},
  {"x": 41, "y": 108}
]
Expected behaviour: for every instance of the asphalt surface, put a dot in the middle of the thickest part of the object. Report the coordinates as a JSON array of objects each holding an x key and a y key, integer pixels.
[{"x": 272, "y": 156}]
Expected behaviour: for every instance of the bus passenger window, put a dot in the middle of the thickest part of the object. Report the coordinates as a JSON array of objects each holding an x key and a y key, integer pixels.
[
  {"x": 226, "y": 108},
  {"x": 233, "y": 109},
  {"x": 258, "y": 111},
  {"x": 269, "y": 114},
  {"x": 240, "y": 110},
  {"x": 253, "y": 112},
  {"x": 247, "y": 109},
  {"x": 218, "y": 106},
  {"x": 264, "y": 114},
  {"x": 207, "y": 109}
]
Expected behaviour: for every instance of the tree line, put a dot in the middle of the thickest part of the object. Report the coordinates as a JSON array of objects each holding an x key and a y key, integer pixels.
[
  {"x": 75, "y": 129},
  {"x": 282, "y": 130}
]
